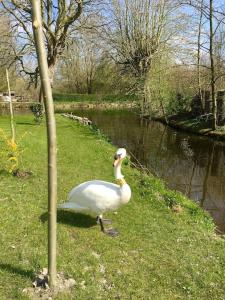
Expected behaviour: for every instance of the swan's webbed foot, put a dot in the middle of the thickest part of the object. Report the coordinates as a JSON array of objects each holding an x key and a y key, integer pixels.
[{"x": 112, "y": 232}]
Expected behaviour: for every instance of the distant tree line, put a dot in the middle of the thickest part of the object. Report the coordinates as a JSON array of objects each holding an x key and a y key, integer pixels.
[{"x": 157, "y": 49}]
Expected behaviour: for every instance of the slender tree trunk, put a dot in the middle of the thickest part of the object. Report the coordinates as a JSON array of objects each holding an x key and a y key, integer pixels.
[
  {"x": 11, "y": 108},
  {"x": 146, "y": 97},
  {"x": 199, "y": 56},
  {"x": 51, "y": 71},
  {"x": 89, "y": 86},
  {"x": 51, "y": 134},
  {"x": 212, "y": 66},
  {"x": 161, "y": 98},
  {"x": 40, "y": 96}
]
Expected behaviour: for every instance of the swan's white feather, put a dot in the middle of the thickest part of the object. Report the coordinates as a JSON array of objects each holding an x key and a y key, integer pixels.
[
  {"x": 71, "y": 205},
  {"x": 95, "y": 196}
]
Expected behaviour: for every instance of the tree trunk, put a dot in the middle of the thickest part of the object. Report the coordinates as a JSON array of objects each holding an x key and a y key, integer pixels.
[
  {"x": 51, "y": 71},
  {"x": 40, "y": 97},
  {"x": 51, "y": 135},
  {"x": 11, "y": 109},
  {"x": 146, "y": 97},
  {"x": 89, "y": 86},
  {"x": 212, "y": 66},
  {"x": 199, "y": 55}
]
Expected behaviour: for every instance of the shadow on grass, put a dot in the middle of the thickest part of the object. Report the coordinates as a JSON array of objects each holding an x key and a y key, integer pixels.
[
  {"x": 15, "y": 270},
  {"x": 26, "y": 123},
  {"x": 71, "y": 218},
  {"x": 4, "y": 173}
]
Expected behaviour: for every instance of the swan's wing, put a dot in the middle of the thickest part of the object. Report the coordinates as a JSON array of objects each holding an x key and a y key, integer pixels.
[{"x": 96, "y": 195}]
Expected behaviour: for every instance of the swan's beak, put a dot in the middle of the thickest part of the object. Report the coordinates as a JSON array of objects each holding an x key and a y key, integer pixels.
[{"x": 116, "y": 161}]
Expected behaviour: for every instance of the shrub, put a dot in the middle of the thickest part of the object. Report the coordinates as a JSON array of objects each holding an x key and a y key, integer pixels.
[{"x": 38, "y": 111}]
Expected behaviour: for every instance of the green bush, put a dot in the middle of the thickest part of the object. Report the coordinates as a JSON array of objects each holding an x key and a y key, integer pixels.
[{"x": 38, "y": 111}]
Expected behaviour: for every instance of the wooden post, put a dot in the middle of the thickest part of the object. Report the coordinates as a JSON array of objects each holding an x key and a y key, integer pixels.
[
  {"x": 11, "y": 108},
  {"x": 51, "y": 134}
]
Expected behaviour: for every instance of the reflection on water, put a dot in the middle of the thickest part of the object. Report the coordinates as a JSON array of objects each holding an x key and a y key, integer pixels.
[{"x": 189, "y": 163}]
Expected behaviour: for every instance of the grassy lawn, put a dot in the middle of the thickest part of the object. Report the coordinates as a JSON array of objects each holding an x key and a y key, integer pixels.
[{"x": 159, "y": 254}]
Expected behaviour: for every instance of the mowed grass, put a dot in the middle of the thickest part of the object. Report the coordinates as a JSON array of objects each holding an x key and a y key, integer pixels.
[{"x": 159, "y": 254}]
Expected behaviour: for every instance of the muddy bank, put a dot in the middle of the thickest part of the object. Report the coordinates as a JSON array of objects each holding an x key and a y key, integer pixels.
[{"x": 190, "y": 125}]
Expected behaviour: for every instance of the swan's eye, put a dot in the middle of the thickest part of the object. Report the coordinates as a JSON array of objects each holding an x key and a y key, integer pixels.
[{"x": 117, "y": 156}]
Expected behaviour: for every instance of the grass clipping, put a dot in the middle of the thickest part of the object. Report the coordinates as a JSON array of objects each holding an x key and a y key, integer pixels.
[{"x": 42, "y": 290}]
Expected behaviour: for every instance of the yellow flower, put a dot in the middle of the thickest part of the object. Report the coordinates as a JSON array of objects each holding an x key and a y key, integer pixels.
[
  {"x": 14, "y": 165},
  {"x": 12, "y": 144},
  {"x": 13, "y": 158}
]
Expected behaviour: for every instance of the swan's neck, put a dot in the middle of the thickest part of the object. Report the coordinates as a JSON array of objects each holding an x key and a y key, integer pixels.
[
  {"x": 124, "y": 187},
  {"x": 118, "y": 175},
  {"x": 117, "y": 171},
  {"x": 121, "y": 181}
]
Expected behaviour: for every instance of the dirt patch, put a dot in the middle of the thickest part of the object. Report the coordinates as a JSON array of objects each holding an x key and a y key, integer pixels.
[
  {"x": 41, "y": 287},
  {"x": 177, "y": 208},
  {"x": 22, "y": 174}
]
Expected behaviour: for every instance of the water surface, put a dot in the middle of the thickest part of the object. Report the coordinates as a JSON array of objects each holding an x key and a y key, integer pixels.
[{"x": 188, "y": 163}]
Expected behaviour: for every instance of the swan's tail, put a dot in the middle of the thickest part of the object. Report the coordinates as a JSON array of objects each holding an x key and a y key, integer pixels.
[{"x": 70, "y": 205}]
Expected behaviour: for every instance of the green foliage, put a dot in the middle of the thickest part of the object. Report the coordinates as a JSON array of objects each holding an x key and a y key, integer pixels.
[
  {"x": 110, "y": 80},
  {"x": 99, "y": 134},
  {"x": 10, "y": 153},
  {"x": 38, "y": 111},
  {"x": 178, "y": 104},
  {"x": 170, "y": 200}
]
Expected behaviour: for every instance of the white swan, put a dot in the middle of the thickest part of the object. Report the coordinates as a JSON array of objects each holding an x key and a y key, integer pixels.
[{"x": 97, "y": 197}]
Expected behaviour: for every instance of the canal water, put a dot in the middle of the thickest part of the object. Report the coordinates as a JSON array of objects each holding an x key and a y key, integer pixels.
[{"x": 188, "y": 163}]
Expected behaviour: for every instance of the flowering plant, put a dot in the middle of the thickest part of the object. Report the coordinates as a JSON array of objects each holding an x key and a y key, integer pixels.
[{"x": 10, "y": 153}]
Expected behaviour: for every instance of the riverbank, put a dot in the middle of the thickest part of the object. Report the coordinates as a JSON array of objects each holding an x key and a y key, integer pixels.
[
  {"x": 161, "y": 252},
  {"x": 193, "y": 125},
  {"x": 23, "y": 107},
  {"x": 67, "y": 107},
  {"x": 68, "y": 102}
]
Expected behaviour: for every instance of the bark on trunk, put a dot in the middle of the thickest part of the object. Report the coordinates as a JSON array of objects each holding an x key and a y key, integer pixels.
[
  {"x": 199, "y": 55},
  {"x": 51, "y": 71},
  {"x": 89, "y": 87},
  {"x": 212, "y": 67},
  {"x": 51, "y": 134},
  {"x": 40, "y": 97},
  {"x": 11, "y": 108},
  {"x": 146, "y": 97}
]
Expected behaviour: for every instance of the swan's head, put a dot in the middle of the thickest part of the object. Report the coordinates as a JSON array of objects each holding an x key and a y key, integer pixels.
[{"x": 121, "y": 153}]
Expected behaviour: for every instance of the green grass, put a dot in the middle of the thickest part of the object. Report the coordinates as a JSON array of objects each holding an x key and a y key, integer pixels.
[
  {"x": 159, "y": 254},
  {"x": 92, "y": 98}
]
